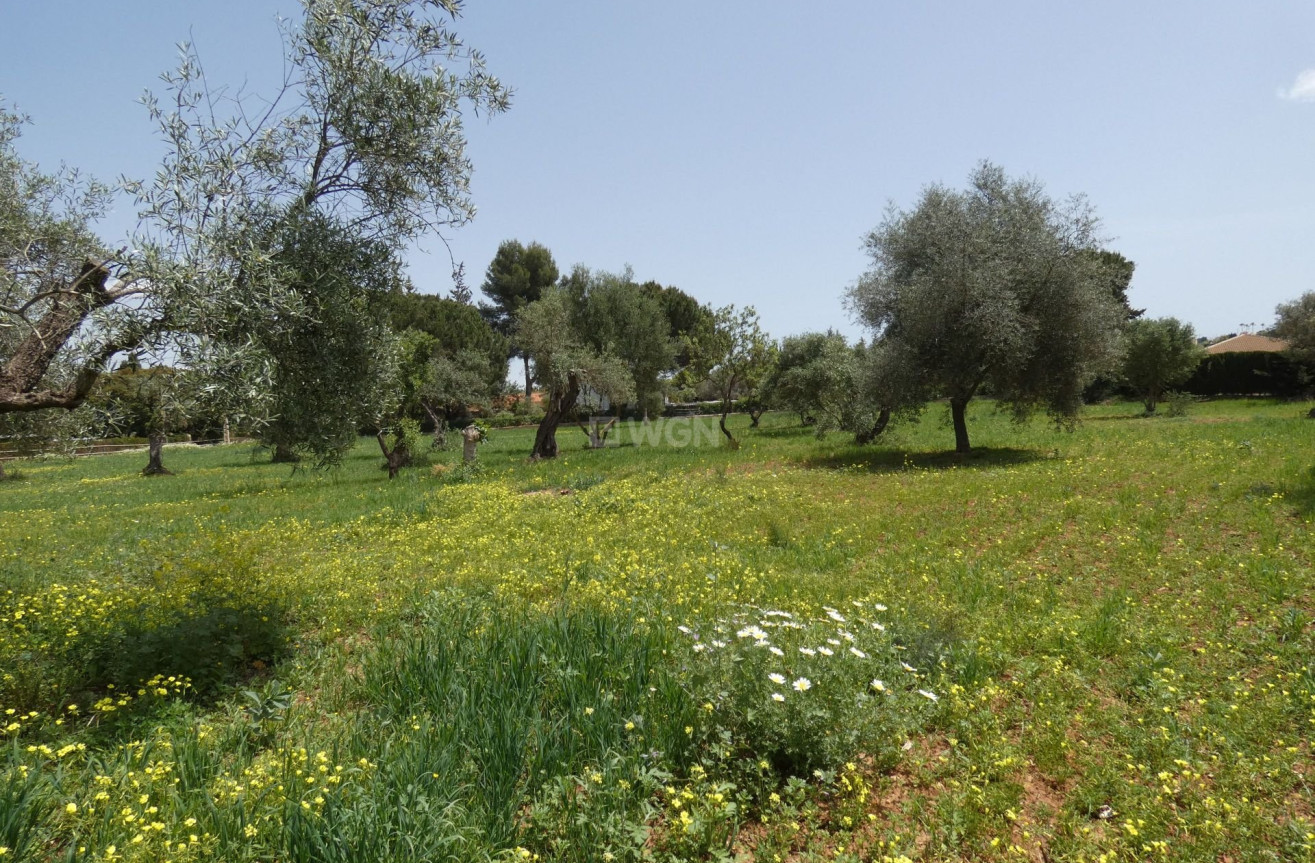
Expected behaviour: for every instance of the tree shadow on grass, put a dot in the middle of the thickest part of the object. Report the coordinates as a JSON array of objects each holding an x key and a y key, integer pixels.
[
  {"x": 197, "y": 651},
  {"x": 892, "y": 460},
  {"x": 213, "y": 642},
  {"x": 1300, "y": 492},
  {"x": 784, "y": 431},
  {"x": 1126, "y": 415}
]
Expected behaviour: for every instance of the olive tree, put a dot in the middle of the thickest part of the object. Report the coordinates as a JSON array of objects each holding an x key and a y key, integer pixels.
[
  {"x": 145, "y": 401},
  {"x": 455, "y": 382},
  {"x": 54, "y": 276},
  {"x": 1158, "y": 353},
  {"x": 367, "y": 129},
  {"x": 566, "y": 363},
  {"x": 618, "y": 317},
  {"x": 1296, "y": 325},
  {"x": 443, "y": 383},
  {"x": 813, "y": 377},
  {"x": 995, "y": 286},
  {"x": 735, "y": 356},
  {"x": 49, "y": 281},
  {"x": 465, "y": 359},
  {"x": 457, "y": 328},
  {"x": 329, "y": 367}
]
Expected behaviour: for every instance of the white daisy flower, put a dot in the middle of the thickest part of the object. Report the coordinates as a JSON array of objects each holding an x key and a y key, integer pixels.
[
  {"x": 879, "y": 607},
  {"x": 776, "y": 696},
  {"x": 907, "y": 667},
  {"x": 808, "y": 651},
  {"x": 803, "y": 684},
  {"x": 860, "y": 654},
  {"x": 833, "y": 642},
  {"x": 835, "y": 615},
  {"x": 778, "y": 679},
  {"x": 776, "y": 651},
  {"x": 826, "y": 651},
  {"x": 930, "y": 696},
  {"x": 878, "y": 685}
]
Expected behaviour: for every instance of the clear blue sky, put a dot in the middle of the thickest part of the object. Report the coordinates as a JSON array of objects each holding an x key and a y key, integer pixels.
[{"x": 740, "y": 150}]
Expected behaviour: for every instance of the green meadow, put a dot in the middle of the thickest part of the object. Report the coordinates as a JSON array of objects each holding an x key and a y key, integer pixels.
[{"x": 1093, "y": 645}]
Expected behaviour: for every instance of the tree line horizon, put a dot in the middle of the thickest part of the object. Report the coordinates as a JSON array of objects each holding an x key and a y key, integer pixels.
[{"x": 264, "y": 284}]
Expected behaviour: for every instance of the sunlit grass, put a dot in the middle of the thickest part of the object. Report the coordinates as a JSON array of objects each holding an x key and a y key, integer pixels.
[{"x": 1112, "y": 629}]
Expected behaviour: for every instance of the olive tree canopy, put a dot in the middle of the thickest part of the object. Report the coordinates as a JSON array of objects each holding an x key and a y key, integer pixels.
[
  {"x": 1296, "y": 325},
  {"x": 824, "y": 379},
  {"x": 1158, "y": 353},
  {"x": 566, "y": 363},
  {"x": 993, "y": 287},
  {"x": 366, "y": 131},
  {"x": 616, "y": 316},
  {"x": 330, "y": 367},
  {"x": 735, "y": 356}
]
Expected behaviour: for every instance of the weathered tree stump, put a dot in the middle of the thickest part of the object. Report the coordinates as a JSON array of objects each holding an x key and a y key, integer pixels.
[
  {"x": 470, "y": 440},
  {"x": 597, "y": 434}
]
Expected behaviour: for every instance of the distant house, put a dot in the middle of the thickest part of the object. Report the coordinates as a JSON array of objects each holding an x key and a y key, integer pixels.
[
  {"x": 1248, "y": 343},
  {"x": 1248, "y": 365}
]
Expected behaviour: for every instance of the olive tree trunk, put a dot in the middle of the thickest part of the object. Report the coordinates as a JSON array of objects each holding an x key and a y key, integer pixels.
[
  {"x": 1152, "y": 399},
  {"x": 560, "y": 403},
  {"x": 155, "y": 456},
  {"x": 958, "y": 412},
  {"x": 22, "y": 373},
  {"x": 730, "y": 438},
  {"x": 396, "y": 457},
  {"x": 867, "y": 435},
  {"x": 728, "y": 402}
]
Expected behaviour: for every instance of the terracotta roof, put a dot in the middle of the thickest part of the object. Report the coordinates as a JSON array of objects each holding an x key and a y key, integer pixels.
[{"x": 1247, "y": 342}]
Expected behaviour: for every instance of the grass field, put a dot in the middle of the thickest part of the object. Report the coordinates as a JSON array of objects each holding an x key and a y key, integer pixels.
[{"x": 1087, "y": 646}]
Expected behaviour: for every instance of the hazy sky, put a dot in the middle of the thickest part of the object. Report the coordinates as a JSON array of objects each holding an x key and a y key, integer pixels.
[{"x": 740, "y": 150}]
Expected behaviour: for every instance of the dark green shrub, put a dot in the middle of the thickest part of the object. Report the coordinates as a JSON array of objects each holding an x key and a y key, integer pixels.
[{"x": 1249, "y": 373}]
